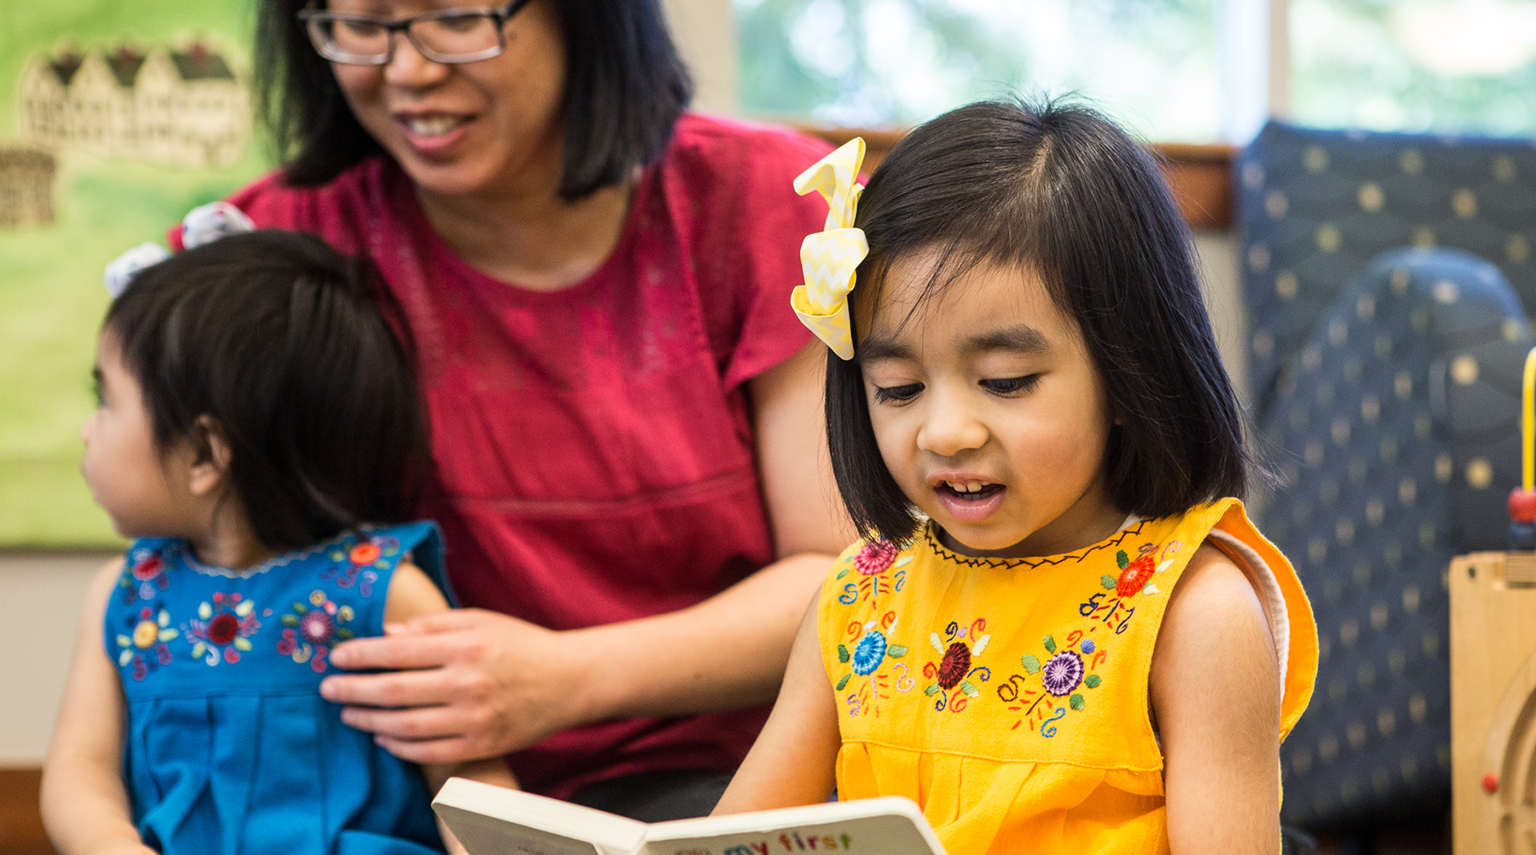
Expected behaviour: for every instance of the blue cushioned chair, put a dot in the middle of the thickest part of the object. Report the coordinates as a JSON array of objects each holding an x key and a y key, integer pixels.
[{"x": 1384, "y": 277}]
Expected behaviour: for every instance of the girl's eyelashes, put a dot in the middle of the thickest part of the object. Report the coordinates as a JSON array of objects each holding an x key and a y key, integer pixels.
[
  {"x": 96, "y": 393},
  {"x": 1011, "y": 385},
  {"x": 897, "y": 394}
]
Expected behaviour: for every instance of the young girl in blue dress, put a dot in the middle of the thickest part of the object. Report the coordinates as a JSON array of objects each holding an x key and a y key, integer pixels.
[
  {"x": 257, "y": 427},
  {"x": 1059, "y": 633}
]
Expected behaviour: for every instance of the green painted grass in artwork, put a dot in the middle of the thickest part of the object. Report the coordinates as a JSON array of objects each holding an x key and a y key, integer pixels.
[
  {"x": 51, "y": 296},
  {"x": 51, "y": 303}
]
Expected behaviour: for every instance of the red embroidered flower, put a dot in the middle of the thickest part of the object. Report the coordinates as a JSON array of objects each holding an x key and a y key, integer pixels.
[
  {"x": 875, "y": 557},
  {"x": 1135, "y": 575},
  {"x": 149, "y": 568},
  {"x": 956, "y": 664},
  {"x": 365, "y": 553},
  {"x": 316, "y": 626},
  {"x": 223, "y": 628}
]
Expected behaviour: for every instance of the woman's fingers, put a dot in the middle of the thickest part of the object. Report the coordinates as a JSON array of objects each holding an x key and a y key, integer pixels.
[
  {"x": 433, "y": 751},
  {"x": 424, "y": 688}
]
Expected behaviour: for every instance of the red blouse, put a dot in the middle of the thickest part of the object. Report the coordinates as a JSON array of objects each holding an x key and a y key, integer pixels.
[{"x": 594, "y": 446}]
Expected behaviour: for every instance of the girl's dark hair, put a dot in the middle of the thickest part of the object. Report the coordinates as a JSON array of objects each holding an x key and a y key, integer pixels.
[
  {"x": 1060, "y": 190},
  {"x": 283, "y": 342},
  {"x": 625, "y": 86}
]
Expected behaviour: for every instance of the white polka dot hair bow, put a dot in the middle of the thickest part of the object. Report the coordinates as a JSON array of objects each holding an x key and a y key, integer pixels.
[
  {"x": 830, "y": 257},
  {"x": 203, "y": 224}
]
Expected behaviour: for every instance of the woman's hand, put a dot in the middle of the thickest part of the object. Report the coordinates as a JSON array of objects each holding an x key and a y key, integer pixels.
[{"x": 462, "y": 685}]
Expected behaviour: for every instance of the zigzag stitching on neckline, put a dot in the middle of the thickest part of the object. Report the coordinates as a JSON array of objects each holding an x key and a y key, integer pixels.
[{"x": 1032, "y": 563}]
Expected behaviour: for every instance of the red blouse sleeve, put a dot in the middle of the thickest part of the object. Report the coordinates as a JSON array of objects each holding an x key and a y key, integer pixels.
[{"x": 732, "y": 185}]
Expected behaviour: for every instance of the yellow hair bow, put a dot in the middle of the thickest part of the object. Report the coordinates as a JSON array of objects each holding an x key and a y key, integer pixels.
[{"x": 829, "y": 257}]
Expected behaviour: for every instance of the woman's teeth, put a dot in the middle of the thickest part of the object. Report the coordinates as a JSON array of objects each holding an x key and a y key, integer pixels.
[{"x": 433, "y": 126}]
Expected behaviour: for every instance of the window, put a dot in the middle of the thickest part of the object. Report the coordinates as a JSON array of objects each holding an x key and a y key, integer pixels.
[
  {"x": 1451, "y": 66},
  {"x": 1152, "y": 64},
  {"x": 1171, "y": 70}
]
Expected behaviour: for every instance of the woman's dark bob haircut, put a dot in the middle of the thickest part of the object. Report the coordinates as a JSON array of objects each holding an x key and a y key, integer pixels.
[
  {"x": 282, "y": 343},
  {"x": 1056, "y": 189},
  {"x": 625, "y": 86}
]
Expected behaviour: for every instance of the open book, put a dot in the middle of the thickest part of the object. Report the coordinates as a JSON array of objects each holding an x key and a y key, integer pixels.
[{"x": 491, "y": 820}]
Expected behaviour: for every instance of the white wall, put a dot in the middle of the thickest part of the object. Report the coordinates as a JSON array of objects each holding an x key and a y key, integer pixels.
[
  {"x": 40, "y": 597},
  {"x": 40, "y": 594}
]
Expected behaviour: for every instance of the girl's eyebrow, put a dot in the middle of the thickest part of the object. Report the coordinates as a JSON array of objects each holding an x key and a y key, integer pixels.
[
  {"x": 877, "y": 347},
  {"x": 1021, "y": 337}
]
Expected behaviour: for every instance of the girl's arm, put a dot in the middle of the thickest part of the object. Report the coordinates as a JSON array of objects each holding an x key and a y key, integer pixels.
[
  {"x": 84, "y": 802},
  {"x": 1215, "y": 688},
  {"x": 791, "y": 763},
  {"x": 472, "y": 683},
  {"x": 413, "y": 594}
]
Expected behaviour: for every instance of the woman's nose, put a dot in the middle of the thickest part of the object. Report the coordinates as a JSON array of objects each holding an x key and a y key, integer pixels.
[
  {"x": 950, "y": 427},
  {"x": 407, "y": 67}
]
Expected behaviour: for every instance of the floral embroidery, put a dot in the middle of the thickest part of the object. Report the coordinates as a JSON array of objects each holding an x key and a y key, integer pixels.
[
  {"x": 872, "y": 563},
  {"x": 952, "y": 673},
  {"x": 1112, "y": 606},
  {"x": 146, "y": 575},
  {"x": 310, "y": 631},
  {"x": 1062, "y": 676},
  {"x": 222, "y": 628},
  {"x": 1136, "y": 573},
  {"x": 144, "y": 645},
  {"x": 356, "y": 566},
  {"x": 872, "y": 649}
]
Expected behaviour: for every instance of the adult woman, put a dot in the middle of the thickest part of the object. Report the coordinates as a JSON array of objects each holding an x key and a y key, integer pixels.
[{"x": 625, "y": 421}]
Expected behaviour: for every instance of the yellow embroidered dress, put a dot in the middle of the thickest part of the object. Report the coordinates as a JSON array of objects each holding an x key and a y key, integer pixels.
[{"x": 1008, "y": 698}]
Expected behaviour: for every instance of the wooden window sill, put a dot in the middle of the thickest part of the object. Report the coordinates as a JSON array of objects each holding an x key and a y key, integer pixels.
[{"x": 1200, "y": 175}]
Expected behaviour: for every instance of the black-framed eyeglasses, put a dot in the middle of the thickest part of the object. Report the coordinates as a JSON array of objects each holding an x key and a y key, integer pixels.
[{"x": 448, "y": 36}]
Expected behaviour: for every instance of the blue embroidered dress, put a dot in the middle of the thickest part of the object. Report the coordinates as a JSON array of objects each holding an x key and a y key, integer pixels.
[{"x": 228, "y": 747}]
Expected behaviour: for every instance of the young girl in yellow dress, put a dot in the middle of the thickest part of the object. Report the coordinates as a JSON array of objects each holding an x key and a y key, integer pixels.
[{"x": 1060, "y": 632}]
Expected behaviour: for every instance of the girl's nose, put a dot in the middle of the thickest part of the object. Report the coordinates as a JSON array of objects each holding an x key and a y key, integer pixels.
[{"x": 950, "y": 428}]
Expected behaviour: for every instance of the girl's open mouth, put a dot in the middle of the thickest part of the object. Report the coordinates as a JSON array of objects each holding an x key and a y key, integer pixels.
[{"x": 970, "y": 501}]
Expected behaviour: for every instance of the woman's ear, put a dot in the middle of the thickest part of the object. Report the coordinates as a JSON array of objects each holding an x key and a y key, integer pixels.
[{"x": 210, "y": 455}]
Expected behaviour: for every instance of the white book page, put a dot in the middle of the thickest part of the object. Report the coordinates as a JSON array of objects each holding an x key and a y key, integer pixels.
[
  {"x": 491, "y": 820},
  {"x": 883, "y": 826}
]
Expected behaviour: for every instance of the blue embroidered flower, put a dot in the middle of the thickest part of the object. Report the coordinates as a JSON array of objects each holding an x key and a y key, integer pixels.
[
  {"x": 1087, "y": 647},
  {"x": 869, "y": 653}
]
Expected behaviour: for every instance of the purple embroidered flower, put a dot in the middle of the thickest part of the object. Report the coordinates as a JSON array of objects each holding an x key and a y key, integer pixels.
[
  {"x": 1062, "y": 673},
  {"x": 955, "y": 665},
  {"x": 316, "y": 626},
  {"x": 869, "y": 653},
  {"x": 875, "y": 557}
]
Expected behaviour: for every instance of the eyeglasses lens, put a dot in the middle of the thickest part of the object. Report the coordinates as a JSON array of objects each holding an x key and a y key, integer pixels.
[{"x": 442, "y": 38}]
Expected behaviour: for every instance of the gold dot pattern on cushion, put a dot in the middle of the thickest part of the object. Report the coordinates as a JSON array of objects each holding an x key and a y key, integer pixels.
[
  {"x": 1479, "y": 473},
  {"x": 1371, "y": 197},
  {"x": 1276, "y": 204},
  {"x": 1286, "y": 285},
  {"x": 1464, "y": 203},
  {"x": 1504, "y": 169},
  {"x": 1423, "y": 237},
  {"x": 1315, "y": 158},
  {"x": 1411, "y": 161},
  {"x": 1517, "y": 249},
  {"x": 1329, "y": 238},
  {"x": 1258, "y": 258},
  {"x": 1464, "y": 370}
]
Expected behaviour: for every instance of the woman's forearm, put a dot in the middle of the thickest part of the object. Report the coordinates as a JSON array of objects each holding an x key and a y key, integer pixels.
[{"x": 724, "y": 653}]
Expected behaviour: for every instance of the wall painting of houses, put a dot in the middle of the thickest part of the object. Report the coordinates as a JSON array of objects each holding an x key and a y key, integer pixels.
[{"x": 116, "y": 117}]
